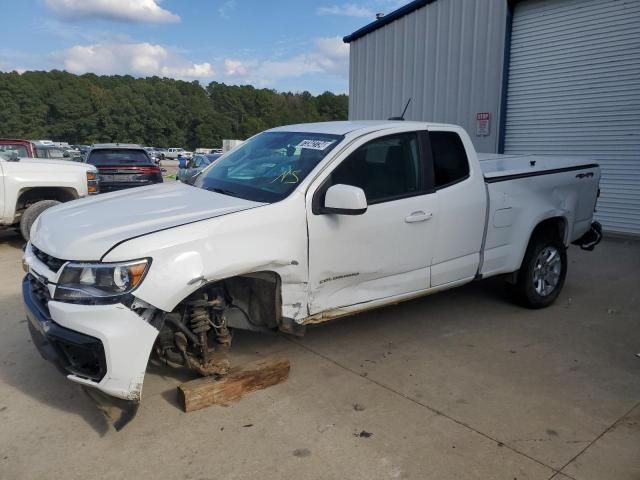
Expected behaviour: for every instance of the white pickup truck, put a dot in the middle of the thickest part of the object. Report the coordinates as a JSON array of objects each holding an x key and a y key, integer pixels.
[
  {"x": 299, "y": 225},
  {"x": 172, "y": 153},
  {"x": 28, "y": 186}
]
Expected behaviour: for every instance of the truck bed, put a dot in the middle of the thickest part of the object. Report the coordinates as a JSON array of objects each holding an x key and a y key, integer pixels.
[
  {"x": 496, "y": 167},
  {"x": 522, "y": 190}
]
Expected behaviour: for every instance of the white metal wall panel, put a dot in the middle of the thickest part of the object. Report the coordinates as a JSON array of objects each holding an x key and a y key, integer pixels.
[
  {"x": 574, "y": 88},
  {"x": 448, "y": 56}
]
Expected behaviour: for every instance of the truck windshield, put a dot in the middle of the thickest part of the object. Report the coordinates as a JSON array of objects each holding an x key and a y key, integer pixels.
[{"x": 269, "y": 166}]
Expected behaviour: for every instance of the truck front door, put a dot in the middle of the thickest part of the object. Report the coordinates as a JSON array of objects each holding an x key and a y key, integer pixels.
[{"x": 385, "y": 251}]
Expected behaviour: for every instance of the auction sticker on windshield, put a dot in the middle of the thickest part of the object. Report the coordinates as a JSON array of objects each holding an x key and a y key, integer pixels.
[{"x": 315, "y": 144}]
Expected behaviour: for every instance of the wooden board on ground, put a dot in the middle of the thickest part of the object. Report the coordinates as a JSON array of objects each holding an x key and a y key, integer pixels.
[{"x": 206, "y": 391}]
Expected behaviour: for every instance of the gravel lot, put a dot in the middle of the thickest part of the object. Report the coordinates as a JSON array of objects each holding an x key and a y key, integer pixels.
[{"x": 460, "y": 385}]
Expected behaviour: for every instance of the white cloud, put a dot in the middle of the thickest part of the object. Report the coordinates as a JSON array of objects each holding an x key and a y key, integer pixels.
[
  {"x": 235, "y": 68},
  {"x": 325, "y": 62},
  {"x": 346, "y": 10},
  {"x": 138, "y": 59},
  {"x": 226, "y": 7},
  {"x": 329, "y": 56},
  {"x": 332, "y": 54},
  {"x": 141, "y": 11}
]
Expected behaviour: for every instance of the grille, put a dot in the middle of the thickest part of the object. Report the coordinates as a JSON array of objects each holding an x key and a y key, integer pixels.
[
  {"x": 52, "y": 262},
  {"x": 39, "y": 294}
]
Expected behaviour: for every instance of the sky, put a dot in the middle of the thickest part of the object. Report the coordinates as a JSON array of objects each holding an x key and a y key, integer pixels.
[{"x": 285, "y": 45}]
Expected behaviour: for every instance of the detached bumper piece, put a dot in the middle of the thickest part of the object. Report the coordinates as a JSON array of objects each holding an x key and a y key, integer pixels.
[
  {"x": 117, "y": 410},
  {"x": 589, "y": 240},
  {"x": 72, "y": 352}
]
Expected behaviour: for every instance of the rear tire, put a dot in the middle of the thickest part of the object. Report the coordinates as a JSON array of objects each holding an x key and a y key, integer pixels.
[
  {"x": 31, "y": 213},
  {"x": 543, "y": 272}
]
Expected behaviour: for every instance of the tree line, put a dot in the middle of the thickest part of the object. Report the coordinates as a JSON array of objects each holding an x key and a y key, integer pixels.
[{"x": 86, "y": 109}]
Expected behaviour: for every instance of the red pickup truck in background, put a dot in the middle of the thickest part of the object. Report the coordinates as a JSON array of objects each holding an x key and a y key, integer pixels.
[
  {"x": 30, "y": 149},
  {"x": 24, "y": 148}
]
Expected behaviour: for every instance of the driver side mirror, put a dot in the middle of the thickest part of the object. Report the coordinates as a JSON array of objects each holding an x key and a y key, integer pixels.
[{"x": 345, "y": 200}]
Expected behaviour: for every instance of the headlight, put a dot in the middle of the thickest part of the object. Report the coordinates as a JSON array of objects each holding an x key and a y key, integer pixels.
[
  {"x": 93, "y": 184},
  {"x": 86, "y": 281}
]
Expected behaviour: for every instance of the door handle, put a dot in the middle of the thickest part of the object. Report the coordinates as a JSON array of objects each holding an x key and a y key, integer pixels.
[{"x": 418, "y": 216}]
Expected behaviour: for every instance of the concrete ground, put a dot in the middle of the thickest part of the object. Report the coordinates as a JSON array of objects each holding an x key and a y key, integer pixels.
[
  {"x": 460, "y": 385},
  {"x": 171, "y": 169}
]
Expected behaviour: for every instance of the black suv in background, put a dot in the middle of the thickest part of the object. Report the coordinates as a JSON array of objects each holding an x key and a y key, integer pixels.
[{"x": 123, "y": 166}]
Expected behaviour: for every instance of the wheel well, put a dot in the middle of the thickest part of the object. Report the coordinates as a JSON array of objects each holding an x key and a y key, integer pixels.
[
  {"x": 257, "y": 294},
  {"x": 555, "y": 226},
  {"x": 32, "y": 195}
]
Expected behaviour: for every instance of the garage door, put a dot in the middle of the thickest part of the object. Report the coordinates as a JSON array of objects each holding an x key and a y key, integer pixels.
[{"x": 574, "y": 89}]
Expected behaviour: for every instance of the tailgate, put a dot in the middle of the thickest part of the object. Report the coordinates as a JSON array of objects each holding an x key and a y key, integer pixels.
[{"x": 127, "y": 174}]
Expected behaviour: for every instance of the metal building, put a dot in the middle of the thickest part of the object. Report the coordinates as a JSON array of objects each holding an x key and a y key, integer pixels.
[{"x": 527, "y": 76}]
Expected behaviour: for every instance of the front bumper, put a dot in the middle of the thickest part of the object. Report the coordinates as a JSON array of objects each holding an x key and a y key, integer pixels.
[
  {"x": 105, "y": 347},
  {"x": 71, "y": 352}
]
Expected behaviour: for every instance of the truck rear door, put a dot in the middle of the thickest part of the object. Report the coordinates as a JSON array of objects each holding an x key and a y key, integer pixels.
[{"x": 461, "y": 204}]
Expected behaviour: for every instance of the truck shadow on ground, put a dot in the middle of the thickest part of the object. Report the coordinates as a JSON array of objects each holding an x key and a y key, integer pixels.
[
  {"x": 28, "y": 373},
  {"x": 12, "y": 238},
  {"x": 431, "y": 315},
  {"x": 24, "y": 369},
  {"x": 368, "y": 329}
]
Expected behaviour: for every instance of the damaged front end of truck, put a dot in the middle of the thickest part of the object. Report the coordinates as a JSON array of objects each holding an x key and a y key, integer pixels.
[
  {"x": 105, "y": 343},
  {"x": 100, "y": 344}
]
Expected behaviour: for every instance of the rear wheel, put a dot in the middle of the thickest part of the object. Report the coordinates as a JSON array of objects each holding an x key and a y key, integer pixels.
[
  {"x": 31, "y": 213},
  {"x": 543, "y": 271}
]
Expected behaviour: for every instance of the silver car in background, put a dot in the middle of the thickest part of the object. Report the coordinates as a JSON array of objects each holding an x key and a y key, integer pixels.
[{"x": 195, "y": 165}]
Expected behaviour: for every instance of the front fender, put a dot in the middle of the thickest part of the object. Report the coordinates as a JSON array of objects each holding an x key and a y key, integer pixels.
[{"x": 271, "y": 238}]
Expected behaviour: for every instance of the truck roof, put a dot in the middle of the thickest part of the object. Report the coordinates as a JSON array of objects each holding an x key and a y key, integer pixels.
[
  {"x": 345, "y": 127},
  {"x": 14, "y": 140},
  {"x": 128, "y": 146}
]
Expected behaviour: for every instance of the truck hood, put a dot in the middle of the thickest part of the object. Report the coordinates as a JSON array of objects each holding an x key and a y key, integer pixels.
[
  {"x": 53, "y": 161},
  {"x": 86, "y": 229}
]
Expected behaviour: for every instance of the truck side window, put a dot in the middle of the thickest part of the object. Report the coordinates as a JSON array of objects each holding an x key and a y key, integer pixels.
[
  {"x": 450, "y": 163},
  {"x": 385, "y": 168}
]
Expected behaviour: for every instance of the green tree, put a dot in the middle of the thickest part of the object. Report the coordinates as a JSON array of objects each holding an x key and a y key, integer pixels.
[{"x": 151, "y": 111}]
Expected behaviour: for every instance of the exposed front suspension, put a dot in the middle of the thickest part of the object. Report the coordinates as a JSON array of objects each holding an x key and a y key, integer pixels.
[{"x": 197, "y": 336}]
